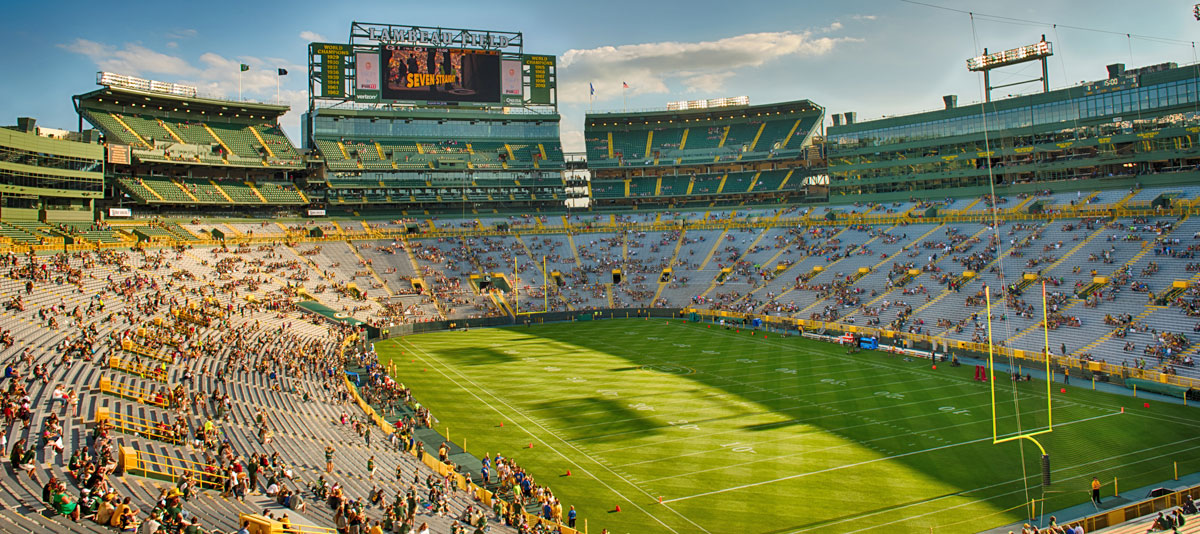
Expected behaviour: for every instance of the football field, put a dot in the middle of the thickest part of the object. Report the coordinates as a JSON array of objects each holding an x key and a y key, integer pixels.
[{"x": 743, "y": 433}]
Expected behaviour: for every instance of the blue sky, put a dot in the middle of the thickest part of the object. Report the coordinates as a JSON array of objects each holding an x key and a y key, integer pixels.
[{"x": 873, "y": 57}]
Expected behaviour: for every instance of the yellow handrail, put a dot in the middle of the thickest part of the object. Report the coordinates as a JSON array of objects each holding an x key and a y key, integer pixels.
[
  {"x": 143, "y": 396},
  {"x": 143, "y": 371},
  {"x": 142, "y": 350},
  {"x": 134, "y": 425},
  {"x": 258, "y": 524},
  {"x": 165, "y": 466}
]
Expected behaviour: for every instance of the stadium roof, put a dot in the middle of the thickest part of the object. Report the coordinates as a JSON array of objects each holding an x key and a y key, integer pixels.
[
  {"x": 726, "y": 112},
  {"x": 273, "y": 110},
  {"x": 1154, "y": 75}
]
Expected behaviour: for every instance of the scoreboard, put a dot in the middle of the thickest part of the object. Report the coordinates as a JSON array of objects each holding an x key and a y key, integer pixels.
[
  {"x": 389, "y": 64},
  {"x": 333, "y": 62},
  {"x": 542, "y": 78}
]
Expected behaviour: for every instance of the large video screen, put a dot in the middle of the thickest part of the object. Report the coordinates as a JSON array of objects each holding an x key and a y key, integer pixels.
[{"x": 440, "y": 74}]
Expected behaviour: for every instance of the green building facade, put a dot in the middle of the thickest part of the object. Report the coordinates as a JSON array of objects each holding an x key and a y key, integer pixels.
[
  {"x": 1136, "y": 127},
  {"x": 48, "y": 179}
]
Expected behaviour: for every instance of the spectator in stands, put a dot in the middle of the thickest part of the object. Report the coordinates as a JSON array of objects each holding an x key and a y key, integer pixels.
[
  {"x": 1162, "y": 522},
  {"x": 123, "y": 515},
  {"x": 106, "y": 510},
  {"x": 1179, "y": 519},
  {"x": 22, "y": 459},
  {"x": 150, "y": 525}
]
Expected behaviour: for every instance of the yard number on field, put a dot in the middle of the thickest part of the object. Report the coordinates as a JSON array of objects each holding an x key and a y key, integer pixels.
[
  {"x": 682, "y": 423},
  {"x": 889, "y": 395},
  {"x": 953, "y": 410},
  {"x": 738, "y": 447}
]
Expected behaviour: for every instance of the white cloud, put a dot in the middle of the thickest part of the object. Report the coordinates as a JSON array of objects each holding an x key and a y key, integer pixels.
[
  {"x": 572, "y": 137},
  {"x": 707, "y": 82},
  {"x": 312, "y": 37},
  {"x": 130, "y": 59},
  {"x": 863, "y": 17},
  {"x": 185, "y": 33},
  {"x": 700, "y": 66},
  {"x": 835, "y": 26}
]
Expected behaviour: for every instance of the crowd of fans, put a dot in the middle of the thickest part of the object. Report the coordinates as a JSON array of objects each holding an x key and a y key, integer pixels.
[{"x": 95, "y": 303}]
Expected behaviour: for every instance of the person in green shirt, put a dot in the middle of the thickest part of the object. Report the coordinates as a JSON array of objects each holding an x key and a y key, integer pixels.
[
  {"x": 329, "y": 458},
  {"x": 371, "y": 467},
  {"x": 65, "y": 506}
]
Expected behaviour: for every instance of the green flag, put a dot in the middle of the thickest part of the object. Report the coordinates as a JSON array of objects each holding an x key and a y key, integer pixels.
[{"x": 245, "y": 67}]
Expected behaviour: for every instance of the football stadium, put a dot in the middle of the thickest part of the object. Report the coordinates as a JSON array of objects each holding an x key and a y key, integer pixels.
[{"x": 426, "y": 312}]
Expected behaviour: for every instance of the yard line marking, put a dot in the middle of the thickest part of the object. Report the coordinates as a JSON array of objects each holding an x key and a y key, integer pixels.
[
  {"x": 793, "y": 397},
  {"x": 808, "y": 404},
  {"x": 556, "y": 451},
  {"x": 747, "y": 399},
  {"x": 868, "y": 443},
  {"x": 857, "y": 464},
  {"x": 910, "y": 432}
]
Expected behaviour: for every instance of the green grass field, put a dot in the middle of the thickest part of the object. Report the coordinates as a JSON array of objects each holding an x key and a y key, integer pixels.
[{"x": 744, "y": 434}]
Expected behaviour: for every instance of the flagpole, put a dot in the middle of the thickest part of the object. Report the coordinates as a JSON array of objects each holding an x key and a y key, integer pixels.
[
  {"x": 277, "y": 76},
  {"x": 239, "y": 83}
]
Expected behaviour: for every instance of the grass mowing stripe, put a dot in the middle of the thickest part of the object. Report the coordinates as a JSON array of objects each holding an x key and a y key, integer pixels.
[
  {"x": 827, "y": 405},
  {"x": 818, "y": 393},
  {"x": 568, "y": 444},
  {"x": 838, "y": 468},
  {"x": 810, "y": 405},
  {"x": 803, "y": 434},
  {"x": 780, "y": 457},
  {"x": 869, "y": 422}
]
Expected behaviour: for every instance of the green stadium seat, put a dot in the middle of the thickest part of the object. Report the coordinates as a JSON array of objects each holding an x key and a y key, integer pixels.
[{"x": 239, "y": 192}]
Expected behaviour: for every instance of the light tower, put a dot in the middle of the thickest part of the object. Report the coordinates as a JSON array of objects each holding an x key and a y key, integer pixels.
[{"x": 1038, "y": 51}]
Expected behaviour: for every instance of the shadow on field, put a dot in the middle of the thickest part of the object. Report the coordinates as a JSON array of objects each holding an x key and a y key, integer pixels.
[
  {"x": 594, "y": 416},
  {"x": 475, "y": 355}
]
